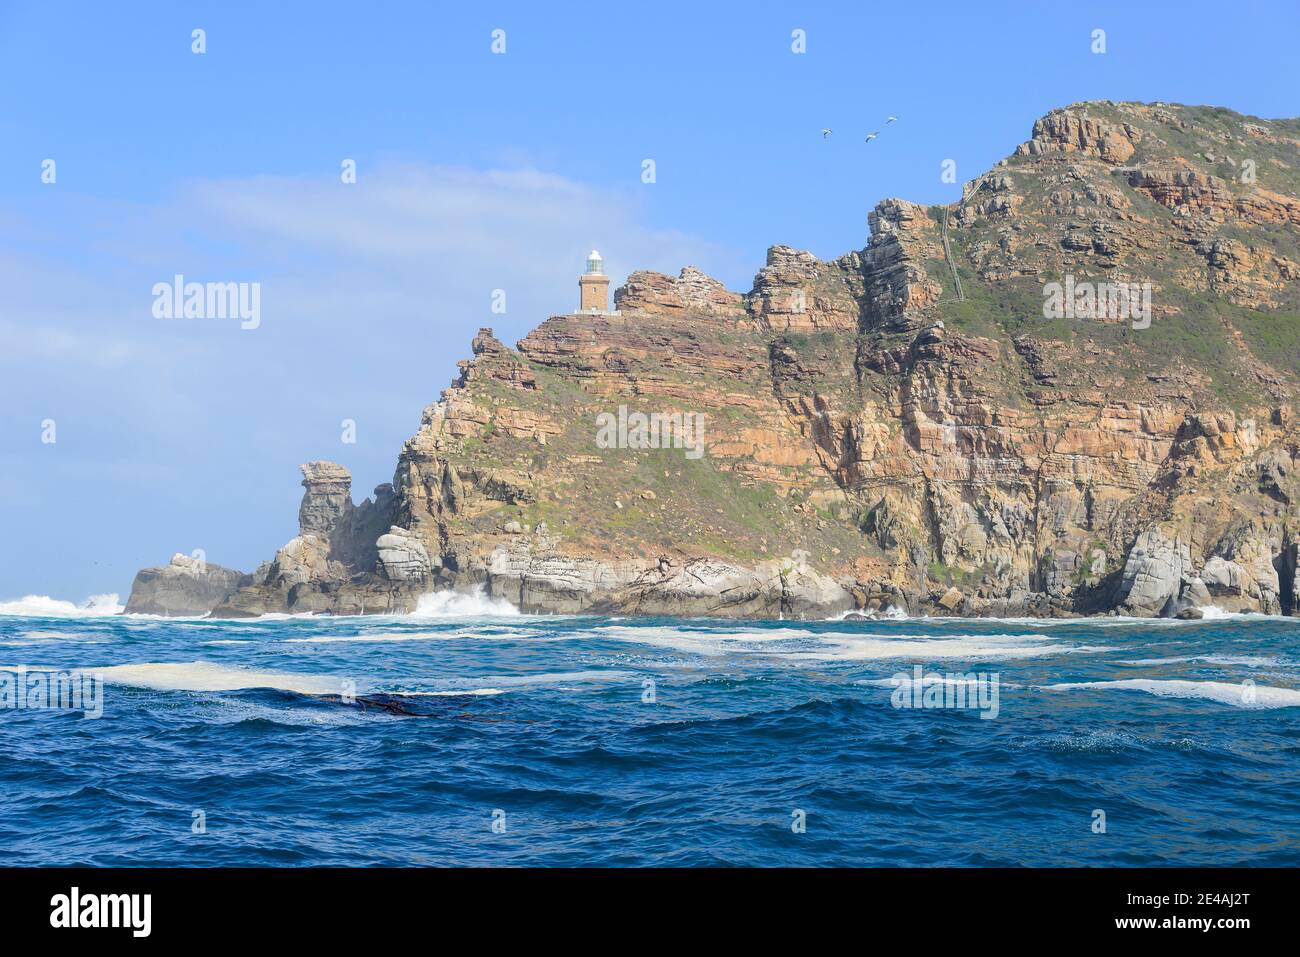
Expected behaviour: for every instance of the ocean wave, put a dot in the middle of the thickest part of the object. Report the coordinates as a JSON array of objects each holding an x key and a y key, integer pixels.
[
  {"x": 1239, "y": 695},
  {"x": 43, "y": 606}
]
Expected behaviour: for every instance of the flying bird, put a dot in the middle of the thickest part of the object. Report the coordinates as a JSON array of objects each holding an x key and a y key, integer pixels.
[
  {"x": 892, "y": 119},
  {"x": 872, "y": 136},
  {"x": 826, "y": 133}
]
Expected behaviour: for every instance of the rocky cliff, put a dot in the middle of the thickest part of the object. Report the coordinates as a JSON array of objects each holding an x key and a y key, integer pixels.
[{"x": 917, "y": 425}]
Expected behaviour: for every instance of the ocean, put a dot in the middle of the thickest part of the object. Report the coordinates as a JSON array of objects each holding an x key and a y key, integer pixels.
[{"x": 471, "y": 735}]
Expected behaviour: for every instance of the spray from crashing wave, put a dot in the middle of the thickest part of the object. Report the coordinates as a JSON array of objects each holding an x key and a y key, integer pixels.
[
  {"x": 43, "y": 606},
  {"x": 454, "y": 604}
]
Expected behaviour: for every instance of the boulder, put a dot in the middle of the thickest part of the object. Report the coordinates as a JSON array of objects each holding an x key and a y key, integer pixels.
[
  {"x": 950, "y": 600},
  {"x": 1243, "y": 574},
  {"x": 304, "y": 560},
  {"x": 1153, "y": 573},
  {"x": 402, "y": 557}
]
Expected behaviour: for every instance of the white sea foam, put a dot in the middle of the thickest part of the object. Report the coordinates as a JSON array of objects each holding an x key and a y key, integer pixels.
[
  {"x": 450, "y": 694},
  {"x": 257, "y": 619},
  {"x": 27, "y": 638},
  {"x": 501, "y": 684},
  {"x": 905, "y": 681},
  {"x": 454, "y": 604},
  {"x": 541, "y": 678},
  {"x": 393, "y": 636},
  {"x": 1239, "y": 695},
  {"x": 501, "y": 635},
  {"x": 206, "y": 676},
  {"x": 1252, "y": 661},
  {"x": 807, "y": 645},
  {"x": 960, "y": 647},
  {"x": 43, "y": 606},
  {"x": 698, "y": 642},
  {"x": 234, "y": 710}
]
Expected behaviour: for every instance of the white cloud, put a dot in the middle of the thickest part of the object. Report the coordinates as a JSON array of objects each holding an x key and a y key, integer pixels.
[{"x": 459, "y": 228}]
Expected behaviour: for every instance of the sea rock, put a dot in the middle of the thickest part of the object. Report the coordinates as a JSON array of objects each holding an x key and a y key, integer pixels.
[
  {"x": 185, "y": 587},
  {"x": 328, "y": 499}
]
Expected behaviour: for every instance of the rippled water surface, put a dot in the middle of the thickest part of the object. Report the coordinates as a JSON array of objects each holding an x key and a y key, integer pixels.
[{"x": 595, "y": 741}]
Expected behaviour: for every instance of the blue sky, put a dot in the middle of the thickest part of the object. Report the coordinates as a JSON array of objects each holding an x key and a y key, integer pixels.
[{"x": 476, "y": 171}]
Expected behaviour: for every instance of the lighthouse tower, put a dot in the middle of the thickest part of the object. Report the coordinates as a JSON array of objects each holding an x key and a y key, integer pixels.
[{"x": 593, "y": 286}]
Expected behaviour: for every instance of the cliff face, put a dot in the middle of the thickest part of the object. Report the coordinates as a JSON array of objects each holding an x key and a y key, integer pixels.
[{"x": 909, "y": 425}]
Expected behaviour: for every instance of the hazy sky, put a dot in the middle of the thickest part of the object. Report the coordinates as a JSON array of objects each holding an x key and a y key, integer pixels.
[{"x": 475, "y": 171}]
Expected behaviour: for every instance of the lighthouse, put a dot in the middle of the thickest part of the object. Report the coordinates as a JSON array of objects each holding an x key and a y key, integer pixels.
[{"x": 593, "y": 286}]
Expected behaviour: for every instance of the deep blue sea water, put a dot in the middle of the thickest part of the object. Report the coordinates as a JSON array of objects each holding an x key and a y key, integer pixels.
[{"x": 1186, "y": 736}]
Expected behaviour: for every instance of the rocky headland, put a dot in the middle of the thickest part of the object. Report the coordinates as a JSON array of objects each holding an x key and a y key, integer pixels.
[{"x": 900, "y": 429}]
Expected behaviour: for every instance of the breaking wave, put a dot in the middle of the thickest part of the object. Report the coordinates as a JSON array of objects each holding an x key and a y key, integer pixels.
[
  {"x": 43, "y": 606},
  {"x": 454, "y": 604}
]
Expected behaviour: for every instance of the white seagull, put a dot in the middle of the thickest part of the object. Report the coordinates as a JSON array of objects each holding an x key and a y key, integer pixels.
[
  {"x": 826, "y": 133},
  {"x": 892, "y": 119},
  {"x": 872, "y": 136}
]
